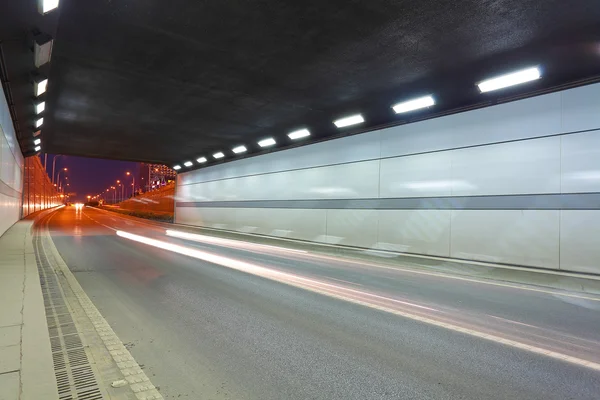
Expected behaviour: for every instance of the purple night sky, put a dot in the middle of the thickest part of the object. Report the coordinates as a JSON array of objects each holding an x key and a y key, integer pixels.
[{"x": 90, "y": 176}]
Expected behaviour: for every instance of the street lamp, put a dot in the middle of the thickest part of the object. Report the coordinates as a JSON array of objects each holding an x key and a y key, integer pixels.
[{"x": 132, "y": 183}]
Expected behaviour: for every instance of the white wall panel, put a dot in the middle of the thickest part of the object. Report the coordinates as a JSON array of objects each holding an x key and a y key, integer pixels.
[
  {"x": 524, "y": 237},
  {"x": 581, "y": 108},
  {"x": 528, "y": 118},
  {"x": 423, "y": 175},
  {"x": 344, "y": 150},
  {"x": 580, "y": 156},
  {"x": 289, "y": 223},
  {"x": 220, "y": 218},
  {"x": 352, "y": 227},
  {"x": 347, "y": 181},
  {"x": 531, "y": 166},
  {"x": 579, "y": 240},
  {"x": 415, "y": 231}
]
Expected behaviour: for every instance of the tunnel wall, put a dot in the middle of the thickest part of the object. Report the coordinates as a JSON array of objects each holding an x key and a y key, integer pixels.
[
  {"x": 515, "y": 183},
  {"x": 11, "y": 170},
  {"x": 38, "y": 191}
]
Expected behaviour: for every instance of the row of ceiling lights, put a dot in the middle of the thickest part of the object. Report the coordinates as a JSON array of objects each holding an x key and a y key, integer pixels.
[
  {"x": 42, "y": 52},
  {"x": 488, "y": 85}
]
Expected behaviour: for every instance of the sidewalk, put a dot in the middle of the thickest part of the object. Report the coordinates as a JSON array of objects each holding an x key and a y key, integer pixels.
[{"x": 26, "y": 367}]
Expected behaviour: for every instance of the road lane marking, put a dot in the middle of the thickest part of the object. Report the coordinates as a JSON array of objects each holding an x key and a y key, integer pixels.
[
  {"x": 514, "y": 322},
  {"x": 341, "y": 280},
  {"x": 272, "y": 274}
]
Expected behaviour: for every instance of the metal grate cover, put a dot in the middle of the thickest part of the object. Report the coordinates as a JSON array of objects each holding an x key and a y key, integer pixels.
[{"x": 74, "y": 376}]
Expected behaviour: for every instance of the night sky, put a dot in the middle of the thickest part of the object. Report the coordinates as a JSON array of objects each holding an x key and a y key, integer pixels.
[{"x": 90, "y": 176}]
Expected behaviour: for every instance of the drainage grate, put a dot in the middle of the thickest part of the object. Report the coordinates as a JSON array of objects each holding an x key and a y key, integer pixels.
[{"x": 74, "y": 376}]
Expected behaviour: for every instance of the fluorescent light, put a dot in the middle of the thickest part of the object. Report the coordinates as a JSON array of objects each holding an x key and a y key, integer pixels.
[
  {"x": 218, "y": 155},
  {"x": 188, "y": 163},
  {"x": 42, "y": 50},
  {"x": 40, "y": 107},
  {"x": 351, "y": 120},
  {"x": 176, "y": 167},
  {"x": 38, "y": 148},
  {"x": 39, "y": 122},
  {"x": 514, "y": 78},
  {"x": 239, "y": 149},
  {"x": 299, "y": 134},
  {"x": 267, "y": 142},
  {"x": 37, "y": 141},
  {"x": 421, "y": 102},
  {"x": 48, "y": 5},
  {"x": 40, "y": 87},
  {"x": 201, "y": 160}
]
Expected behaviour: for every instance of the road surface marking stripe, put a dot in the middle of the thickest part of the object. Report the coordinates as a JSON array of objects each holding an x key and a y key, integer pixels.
[{"x": 270, "y": 274}]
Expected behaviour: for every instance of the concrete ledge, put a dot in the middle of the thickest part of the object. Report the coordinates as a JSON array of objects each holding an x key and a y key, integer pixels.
[{"x": 26, "y": 366}]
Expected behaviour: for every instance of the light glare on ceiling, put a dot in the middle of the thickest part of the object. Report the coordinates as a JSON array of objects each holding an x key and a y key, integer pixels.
[
  {"x": 218, "y": 155},
  {"x": 40, "y": 87},
  {"x": 348, "y": 121},
  {"x": 39, "y": 122},
  {"x": 37, "y": 141},
  {"x": 415, "y": 104},
  {"x": 201, "y": 160},
  {"x": 188, "y": 163},
  {"x": 176, "y": 167},
  {"x": 514, "y": 78},
  {"x": 40, "y": 107},
  {"x": 239, "y": 149},
  {"x": 267, "y": 142},
  {"x": 299, "y": 134}
]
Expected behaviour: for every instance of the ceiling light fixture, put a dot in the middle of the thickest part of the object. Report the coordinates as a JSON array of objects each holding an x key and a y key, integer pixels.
[
  {"x": 267, "y": 142},
  {"x": 239, "y": 149},
  {"x": 38, "y": 148},
  {"x": 219, "y": 155},
  {"x": 42, "y": 49},
  {"x": 302, "y": 133},
  {"x": 37, "y": 133},
  {"x": 40, "y": 107},
  {"x": 201, "y": 160},
  {"x": 37, "y": 141},
  {"x": 514, "y": 78},
  {"x": 348, "y": 121},
  {"x": 188, "y": 163},
  {"x": 176, "y": 167},
  {"x": 45, "y": 6},
  {"x": 415, "y": 104},
  {"x": 40, "y": 87},
  {"x": 39, "y": 122}
]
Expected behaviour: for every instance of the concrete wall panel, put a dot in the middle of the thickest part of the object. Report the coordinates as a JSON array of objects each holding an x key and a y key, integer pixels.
[
  {"x": 580, "y": 157},
  {"x": 579, "y": 240},
  {"x": 523, "y": 237}
]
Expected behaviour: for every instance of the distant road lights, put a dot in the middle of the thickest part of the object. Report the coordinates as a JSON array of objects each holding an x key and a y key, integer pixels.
[
  {"x": 349, "y": 121},
  {"x": 38, "y": 148},
  {"x": 37, "y": 142},
  {"x": 45, "y": 6},
  {"x": 299, "y": 134},
  {"x": 201, "y": 160},
  {"x": 415, "y": 104},
  {"x": 218, "y": 155},
  {"x": 39, "y": 122},
  {"x": 40, "y": 87},
  {"x": 511, "y": 79},
  {"x": 176, "y": 167},
  {"x": 188, "y": 164},
  {"x": 239, "y": 149},
  {"x": 40, "y": 107},
  {"x": 267, "y": 142}
]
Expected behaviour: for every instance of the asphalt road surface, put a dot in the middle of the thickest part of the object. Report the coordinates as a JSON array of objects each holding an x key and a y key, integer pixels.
[{"x": 214, "y": 318}]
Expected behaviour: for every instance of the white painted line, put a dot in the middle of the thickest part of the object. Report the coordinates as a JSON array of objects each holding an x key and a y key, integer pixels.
[{"x": 312, "y": 285}]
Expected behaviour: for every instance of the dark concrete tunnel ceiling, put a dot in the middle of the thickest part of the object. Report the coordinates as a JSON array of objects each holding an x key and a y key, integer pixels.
[{"x": 166, "y": 81}]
